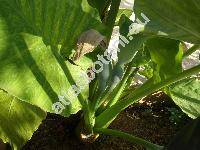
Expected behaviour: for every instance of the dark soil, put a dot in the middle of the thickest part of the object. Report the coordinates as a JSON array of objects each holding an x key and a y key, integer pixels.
[{"x": 155, "y": 118}]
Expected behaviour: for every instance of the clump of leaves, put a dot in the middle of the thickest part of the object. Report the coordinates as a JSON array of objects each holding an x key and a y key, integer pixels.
[{"x": 45, "y": 47}]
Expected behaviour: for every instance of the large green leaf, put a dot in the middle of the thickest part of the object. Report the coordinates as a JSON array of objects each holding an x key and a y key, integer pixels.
[
  {"x": 172, "y": 18},
  {"x": 18, "y": 120},
  {"x": 167, "y": 57},
  {"x": 57, "y": 21},
  {"x": 34, "y": 37},
  {"x": 37, "y": 74},
  {"x": 186, "y": 94}
]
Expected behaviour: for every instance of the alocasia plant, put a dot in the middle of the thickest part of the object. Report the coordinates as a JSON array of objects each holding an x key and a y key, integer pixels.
[{"x": 45, "y": 46}]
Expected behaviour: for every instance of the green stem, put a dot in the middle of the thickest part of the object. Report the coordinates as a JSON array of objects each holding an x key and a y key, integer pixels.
[
  {"x": 105, "y": 118},
  {"x": 120, "y": 87},
  {"x": 89, "y": 119},
  {"x": 110, "y": 23},
  {"x": 129, "y": 137},
  {"x": 117, "y": 92},
  {"x": 191, "y": 50},
  {"x": 112, "y": 97},
  {"x": 92, "y": 89}
]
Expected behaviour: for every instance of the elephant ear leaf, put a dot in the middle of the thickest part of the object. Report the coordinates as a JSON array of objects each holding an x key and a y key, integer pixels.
[
  {"x": 166, "y": 54},
  {"x": 38, "y": 74},
  {"x": 34, "y": 37},
  {"x": 18, "y": 120},
  {"x": 172, "y": 19},
  {"x": 186, "y": 95},
  {"x": 58, "y": 22}
]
